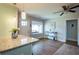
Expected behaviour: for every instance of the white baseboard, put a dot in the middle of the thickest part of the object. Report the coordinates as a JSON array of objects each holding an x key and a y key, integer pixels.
[{"x": 62, "y": 40}]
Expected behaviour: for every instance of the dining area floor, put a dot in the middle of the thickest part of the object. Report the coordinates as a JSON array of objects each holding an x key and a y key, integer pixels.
[{"x": 53, "y": 47}]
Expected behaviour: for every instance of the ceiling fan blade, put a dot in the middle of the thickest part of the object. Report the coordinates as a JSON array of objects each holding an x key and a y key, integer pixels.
[
  {"x": 72, "y": 11},
  {"x": 74, "y": 7},
  {"x": 61, "y": 13}
]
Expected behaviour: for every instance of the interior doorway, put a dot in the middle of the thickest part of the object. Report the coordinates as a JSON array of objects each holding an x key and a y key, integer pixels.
[{"x": 71, "y": 34}]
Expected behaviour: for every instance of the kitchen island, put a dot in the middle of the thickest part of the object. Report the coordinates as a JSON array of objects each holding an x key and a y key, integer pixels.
[{"x": 22, "y": 45}]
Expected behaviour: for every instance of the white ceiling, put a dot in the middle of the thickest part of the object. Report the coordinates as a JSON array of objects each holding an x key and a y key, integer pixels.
[{"x": 45, "y": 10}]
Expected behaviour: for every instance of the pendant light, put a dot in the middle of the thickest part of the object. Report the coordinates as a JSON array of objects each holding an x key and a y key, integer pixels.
[
  {"x": 23, "y": 17},
  {"x": 23, "y": 14}
]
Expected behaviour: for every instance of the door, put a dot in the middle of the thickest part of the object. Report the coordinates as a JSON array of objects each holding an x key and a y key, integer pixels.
[{"x": 71, "y": 30}]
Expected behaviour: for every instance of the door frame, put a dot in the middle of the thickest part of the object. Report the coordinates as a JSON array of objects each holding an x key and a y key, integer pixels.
[{"x": 77, "y": 29}]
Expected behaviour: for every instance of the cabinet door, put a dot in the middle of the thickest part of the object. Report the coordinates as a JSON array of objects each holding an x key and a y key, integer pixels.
[{"x": 24, "y": 50}]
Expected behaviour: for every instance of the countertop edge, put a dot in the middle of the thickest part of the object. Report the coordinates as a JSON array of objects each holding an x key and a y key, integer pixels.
[{"x": 18, "y": 47}]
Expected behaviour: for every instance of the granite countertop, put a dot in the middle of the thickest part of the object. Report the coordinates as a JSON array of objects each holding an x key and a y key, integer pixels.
[{"x": 7, "y": 43}]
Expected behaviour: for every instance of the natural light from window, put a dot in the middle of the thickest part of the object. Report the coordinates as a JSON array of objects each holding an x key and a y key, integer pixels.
[{"x": 37, "y": 27}]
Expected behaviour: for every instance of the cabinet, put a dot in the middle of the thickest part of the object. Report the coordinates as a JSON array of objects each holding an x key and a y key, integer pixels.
[{"x": 23, "y": 50}]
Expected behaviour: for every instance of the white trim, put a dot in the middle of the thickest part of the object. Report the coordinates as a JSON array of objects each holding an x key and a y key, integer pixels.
[{"x": 62, "y": 40}]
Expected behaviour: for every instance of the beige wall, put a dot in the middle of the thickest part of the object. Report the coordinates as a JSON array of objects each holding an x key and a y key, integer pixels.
[
  {"x": 61, "y": 25},
  {"x": 8, "y": 19}
]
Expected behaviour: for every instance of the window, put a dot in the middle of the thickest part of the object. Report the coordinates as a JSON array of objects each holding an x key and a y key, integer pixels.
[
  {"x": 24, "y": 23},
  {"x": 37, "y": 27}
]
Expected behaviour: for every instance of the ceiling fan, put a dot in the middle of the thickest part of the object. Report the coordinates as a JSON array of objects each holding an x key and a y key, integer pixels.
[{"x": 67, "y": 9}]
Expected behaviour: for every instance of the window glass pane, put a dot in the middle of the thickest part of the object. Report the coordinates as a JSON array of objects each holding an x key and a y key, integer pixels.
[
  {"x": 37, "y": 27},
  {"x": 24, "y": 23}
]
